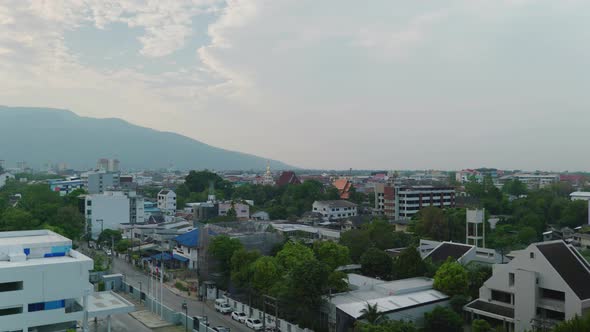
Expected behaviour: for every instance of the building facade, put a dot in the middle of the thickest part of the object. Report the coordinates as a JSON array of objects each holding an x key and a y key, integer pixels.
[
  {"x": 5, "y": 177},
  {"x": 167, "y": 201},
  {"x": 106, "y": 211},
  {"x": 542, "y": 285},
  {"x": 402, "y": 202},
  {"x": 99, "y": 182},
  {"x": 242, "y": 209},
  {"x": 335, "y": 210}
]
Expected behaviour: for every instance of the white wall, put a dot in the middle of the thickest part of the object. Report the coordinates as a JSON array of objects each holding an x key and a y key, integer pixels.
[{"x": 111, "y": 207}]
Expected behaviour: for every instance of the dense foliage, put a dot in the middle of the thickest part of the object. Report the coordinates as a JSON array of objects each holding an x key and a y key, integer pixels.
[{"x": 379, "y": 234}]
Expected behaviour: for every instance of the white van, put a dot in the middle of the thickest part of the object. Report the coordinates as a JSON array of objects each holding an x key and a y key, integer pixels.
[{"x": 222, "y": 306}]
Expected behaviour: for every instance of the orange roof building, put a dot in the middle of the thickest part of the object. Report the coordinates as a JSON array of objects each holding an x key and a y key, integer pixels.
[{"x": 343, "y": 186}]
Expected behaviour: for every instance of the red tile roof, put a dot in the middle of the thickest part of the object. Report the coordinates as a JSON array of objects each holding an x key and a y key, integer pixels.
[{"x": 288, "y": 177}]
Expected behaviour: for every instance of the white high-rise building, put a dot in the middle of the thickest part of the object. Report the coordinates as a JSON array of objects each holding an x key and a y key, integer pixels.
[
  {"x": 107, "y": 211},
  {"x": 44, "y": 284},
  {"x": 167, "y": 201}
]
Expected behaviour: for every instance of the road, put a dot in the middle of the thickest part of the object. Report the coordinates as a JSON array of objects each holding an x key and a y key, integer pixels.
[
  {"x": 174, "y": 301},
  {"x": 119, "y": 323}
]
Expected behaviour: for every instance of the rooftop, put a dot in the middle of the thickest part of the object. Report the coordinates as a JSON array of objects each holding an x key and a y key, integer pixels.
[
  {"x": 570, "y": 266},
  {"x": 492, "y": 308},
  {"x": 580, "y": 194},
  {"x": 448, "y": 249},
  {"x": 337, "y": 203}
]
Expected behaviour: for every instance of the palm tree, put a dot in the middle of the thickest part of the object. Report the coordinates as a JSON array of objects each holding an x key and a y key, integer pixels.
[{"x": 371, "y": 313}]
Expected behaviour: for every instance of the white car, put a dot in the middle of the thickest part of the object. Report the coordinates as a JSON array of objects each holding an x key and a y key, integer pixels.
[
  {"x": 239, "y": 316},
  {"x": 254, "y": 323},
  {"x": 224, "y": 308}
]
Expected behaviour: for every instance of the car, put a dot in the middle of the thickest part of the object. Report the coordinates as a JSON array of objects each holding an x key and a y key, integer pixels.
[
  {"x": 223, "y": 308},
  {"x": 239, "y": 316},
  {"x": 254, "y": 323},
  {"x": 221, "y": 329}
]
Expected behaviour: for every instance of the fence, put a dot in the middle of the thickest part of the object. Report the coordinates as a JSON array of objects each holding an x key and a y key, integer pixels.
[
  {"x": 169, "y": 315},
  {"x": 271, "y": 321}
]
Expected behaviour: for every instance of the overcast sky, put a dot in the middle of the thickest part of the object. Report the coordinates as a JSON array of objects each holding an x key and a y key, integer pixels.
[{"x": 321, "y": 84}]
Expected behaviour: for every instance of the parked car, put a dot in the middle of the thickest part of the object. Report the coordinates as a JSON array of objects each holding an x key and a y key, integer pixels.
[
  {"x": 239, "y": 316},
  {"x": 223, "y": 307},
  {"x": 254, "y": 323},
  {"x": 221, "y": 329}
]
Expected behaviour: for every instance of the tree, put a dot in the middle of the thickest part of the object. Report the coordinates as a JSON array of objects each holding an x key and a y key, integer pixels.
[
  {"x": 452, "y": 278},
  {"x": 332, "y": 254},
  {"x": 478, "y": 274},
  {"x": 527, "y": 235},
  {"x": 70, "y": 220},
  {"x": 293, "y": 254},
  {"x": 409, "y": 264},
  {"x": 199, "y": 181},
  {"x": 514, "y": 187},
  {"x": 122, "y": 246},
  {"x": 357, "y": 242},
  {"x": 480, "y": 325},
  {"x": 432, "y": 223},
  {"x": 376, "y": 263},
  {"x": 386, "y": 326},
  {"x": 108, "y": 236},
  {"x": 574, "y": 325},
  {"x": 222, "y": 248},
  {"x": 15, "y": 219},
  {"x": 242, "y": 266},
  {"x": 371, "y": 313},
  {"x": 575, "y": 214},
  {"x": 265, "y": 274},
  {"x": 442, "y": 319}
]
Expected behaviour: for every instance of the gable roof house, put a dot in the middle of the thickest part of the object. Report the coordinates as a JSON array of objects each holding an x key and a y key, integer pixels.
[
  {"x": 344, "y": 186},
  {"x": 287, "y": 177},
  {"x": 544, "y": 284}
]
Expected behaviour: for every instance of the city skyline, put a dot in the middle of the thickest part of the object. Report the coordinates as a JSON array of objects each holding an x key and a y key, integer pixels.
[{"x": 328, "y": 85}]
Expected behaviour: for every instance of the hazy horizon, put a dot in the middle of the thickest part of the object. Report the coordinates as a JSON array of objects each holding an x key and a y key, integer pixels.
[{"x": 319, "y": 85}]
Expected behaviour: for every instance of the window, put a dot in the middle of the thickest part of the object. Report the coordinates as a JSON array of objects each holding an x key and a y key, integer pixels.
[
  {"x": 89, "y": 203},
  {"x": 501, "y": 296},
  {"x": 11, "y": 286},
  {"x": 11, "y": 311},
  {"x": 511, "y": 279},
  {"x": 552, "y": 294},
  {"x": 532, "y": 255}
]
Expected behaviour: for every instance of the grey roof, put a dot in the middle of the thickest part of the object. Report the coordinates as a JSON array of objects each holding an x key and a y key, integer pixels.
[
  {"x": 338, "y": 203},
  {"x": 491, "y": 308},
  {"x": 448, "y": 249},
  {"x": 566, "y": 261}
]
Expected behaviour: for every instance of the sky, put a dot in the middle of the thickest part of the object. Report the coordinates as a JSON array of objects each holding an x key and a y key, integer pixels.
[{"x": 334, "y": 84}]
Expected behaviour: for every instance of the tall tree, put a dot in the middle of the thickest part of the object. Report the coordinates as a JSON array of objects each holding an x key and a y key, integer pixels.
[
  {"x": 442, "y": 319},
  {"x": 14, "y": 219},
  {"x": 432, "y": 223},
  {"x": 452, "y": 278},
  {"x": 376, "y": 263},
  {"x": 332, "y": 254},
  {"x": 409, "y": 264},
  {"x": 293, "y": 254}
]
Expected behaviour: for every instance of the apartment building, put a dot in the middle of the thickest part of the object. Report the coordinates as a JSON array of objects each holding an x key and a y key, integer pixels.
[
  {"x": 99, "y": 182},
  {"x": 111, "y": 209},
  {"x": 242, "y": 209},
  {"x": 167, "y": 201},
  {"x": 402, "y": 202},
  {"x": 542, "y": 285},
  {"x": 335, "y": 210},
  {"x": 44, "y": 284}
]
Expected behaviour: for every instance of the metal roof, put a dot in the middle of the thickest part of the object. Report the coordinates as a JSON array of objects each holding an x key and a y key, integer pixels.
[{"x": 567, "y": 264}]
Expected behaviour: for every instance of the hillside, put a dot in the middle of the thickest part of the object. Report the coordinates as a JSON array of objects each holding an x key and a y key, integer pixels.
[{"x": 42, "y": 135}]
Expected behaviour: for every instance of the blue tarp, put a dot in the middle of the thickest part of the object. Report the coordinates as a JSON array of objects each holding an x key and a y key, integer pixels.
[
  {"x": 180, "y": 258},
  {"x": 189, "y": 239}
]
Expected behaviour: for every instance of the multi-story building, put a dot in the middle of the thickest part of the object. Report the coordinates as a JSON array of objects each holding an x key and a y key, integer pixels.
[
  {"x": 542, "y": 285},
  {"x": 98, "y": 182},
  {"x": 107, "y": 165},
  {"x": 5, "y": 177},
  {"x": 167, "y": 201},
  {"x": 533, "y": 181},
  {"x": 111, "y": 209},
  {"x": 402, "y": 202},
  {"x": 335, "y": 210},
  {"x": 64, "y": 187},
  {"x": 242, "y": 209},
  {"x": 44, "y": 284}
]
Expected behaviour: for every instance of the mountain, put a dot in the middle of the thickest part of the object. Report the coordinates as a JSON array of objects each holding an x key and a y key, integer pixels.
[{"x": 42, "y": 135}]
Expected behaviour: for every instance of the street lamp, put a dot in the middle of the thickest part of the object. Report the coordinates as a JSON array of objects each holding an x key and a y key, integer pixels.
[{"x": 185, "y": 308}]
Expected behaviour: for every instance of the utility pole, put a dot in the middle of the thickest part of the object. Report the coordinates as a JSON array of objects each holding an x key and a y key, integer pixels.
[{"x": 273, "y": 302}]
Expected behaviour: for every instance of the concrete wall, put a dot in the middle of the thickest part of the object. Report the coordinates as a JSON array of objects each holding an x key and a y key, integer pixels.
[{"x": 111, "y": 208}]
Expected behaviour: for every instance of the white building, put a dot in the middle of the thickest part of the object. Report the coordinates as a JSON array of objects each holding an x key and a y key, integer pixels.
[
  {"x": 405, "y": 299},
  {"x": 167, "y": 201},
  {"x": 5, "y": 177},
  {"x": 98, "y": 182},
  {"x": 242, "y": 210},
  {"x": 44, "y": 284},
  {"x": 545, "y": 283},
  {"x": 533, "y": 181},
  {"x": 107, "y": 211},
  {"x": 187, "y": 248},
  {"x": 335, "y": 210}
]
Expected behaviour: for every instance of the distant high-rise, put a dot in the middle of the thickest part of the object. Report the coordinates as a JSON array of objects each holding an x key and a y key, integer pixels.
[{"x": 108, "y": 165}]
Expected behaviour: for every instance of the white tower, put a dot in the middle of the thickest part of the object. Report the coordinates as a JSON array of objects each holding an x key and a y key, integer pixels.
[{"x": 475, "y": 229}]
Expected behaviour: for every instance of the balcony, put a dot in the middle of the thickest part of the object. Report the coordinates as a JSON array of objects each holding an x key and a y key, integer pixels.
[{"x": 551, "y": 304}]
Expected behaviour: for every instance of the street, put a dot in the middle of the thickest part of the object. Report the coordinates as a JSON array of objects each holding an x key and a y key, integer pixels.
[{"x": 174, "y": 301}]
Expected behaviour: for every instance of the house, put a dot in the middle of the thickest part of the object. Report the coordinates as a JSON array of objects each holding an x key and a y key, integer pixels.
[
  {"x": 335, "y": 210},
  {"x": 167, "y": 201},
  {"x": 260, "y": 215},
  {"x": 187, "y": 248},
  {"x": 401, "y": 225},
  {"x": 406, "y": 299},
  {"x": 463, "y": 253},
  {"x": 242, "y": 210},
  {"x": 344, "y": 186},
  {"x": 110, "y": 209},
  {"x": 5, "y": 177},
  {"x": 44, "y": 285},
  {"x": 286, "y": 178},
  {"x": 544, "y": 284}
]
